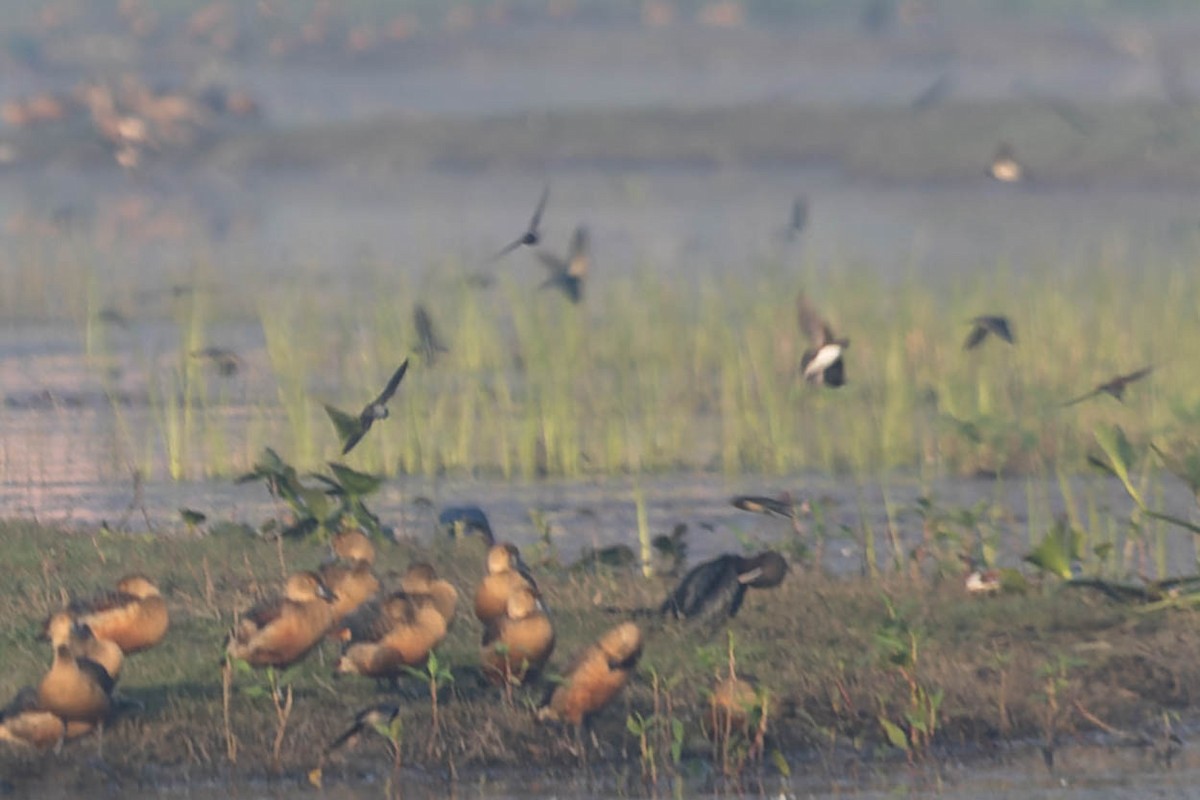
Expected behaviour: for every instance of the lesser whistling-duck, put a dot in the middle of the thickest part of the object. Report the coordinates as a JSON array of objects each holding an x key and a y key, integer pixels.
[
  {"x": 280, "y": 631},
  {"x": 505, "y": 572},
  {"x": 595, "y": 677},
  {"x": 76, "y": 689},
  {"x": 134, "y": 616},
  {"x": 731, "y": 707},
  {"x": 421, "y": 580},
  {"x": 715, "y": 589},
  {"x": 386, "y": 637},
  {"x": 60, "y": 628},
  {"x": 24, "y": 722},
  {"x": 518, "y": 644}
]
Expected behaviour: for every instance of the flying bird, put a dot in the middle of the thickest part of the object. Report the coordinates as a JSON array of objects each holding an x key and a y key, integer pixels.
[
  {"x": 428, "y": 343},
  {"x": 569, "y": 274},
  {"x": 374, "y": 719},
  {"x": 532, "y": 235},
  {"x": 1005, "y": 167},
  {"x": 822, "y": 362},
  {"x": 1115, "y": 387},
  {"x": 351, "y": 429},
  {"x": 986, "y": 324}
]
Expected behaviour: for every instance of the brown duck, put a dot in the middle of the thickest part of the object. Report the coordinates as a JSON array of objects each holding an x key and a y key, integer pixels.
[
  {"x": 280, "y": 631},
  {"x": 505, "y": 572},
  {"x": 135, "y": 616},
  {"x": 421, "y": 580},
  {"x": 595, "y": 677},
  {"x": 517, "y": 645},
  {"x": 62, "y": 629},
  {"x": 389, "y": 636},
  {"x": 75, "y": 689}
]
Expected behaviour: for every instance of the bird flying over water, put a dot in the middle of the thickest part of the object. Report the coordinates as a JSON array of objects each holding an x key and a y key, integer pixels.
[
  {"x": 532, "y": 235},
  {"x": 351, "y": 429},
  {"x": 822, "y": 362},
  {"x": 1114, "y": 387},
  {"x": 428, "y": 343},
  {"x": 986, "y": 324},
  {"x": 568, "y": 274}
]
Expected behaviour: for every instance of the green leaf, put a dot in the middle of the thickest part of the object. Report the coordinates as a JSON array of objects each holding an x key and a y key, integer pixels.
[
  {"x": 781, "y": 764},
  {"x": 634, "y": 725},
  {"x": 895, "y": 734},
  {"x": 1116, "y": 446},
  {"x": 354, "y": 482},
  {"x": 1059, "y": 547}
]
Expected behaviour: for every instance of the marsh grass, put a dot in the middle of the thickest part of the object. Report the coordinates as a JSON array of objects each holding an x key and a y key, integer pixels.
[{"x": 812, "y": 643}]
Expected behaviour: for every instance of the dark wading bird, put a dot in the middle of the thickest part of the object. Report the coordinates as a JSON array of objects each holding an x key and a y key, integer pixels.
[
  {"x": 986, "y": 324},
  {"x": 822, "y": 362},
  {"x": 798, "y": 220},
  {"x": 568, "y": 275},
  {"x": 373, "y": 719},
  {"x": 1115, "y": 387},
  {"x": 532, "y": 235},
  {"x": 351, "y": 429},
  {"x": 1005, "y": 167},
  {"x": 429, "y": 345},
  {"x": 715, "y": 589}
]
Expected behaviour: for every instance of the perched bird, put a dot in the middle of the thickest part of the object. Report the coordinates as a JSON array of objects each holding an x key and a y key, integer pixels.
[
  {"x": 428, "y": 343},
  {"x": 715, "y": 589},
  {"x": 135, "y": 616},
  {"x": 61, "y": 629},
  {"x": 420, "y": 580},
  {"x": 986, "y": 324},
  {"x": 595, "y": 676},
  {"x": 351, "y": 429},
  {"x": 226, "y": 361},
  {"x": 365, "y": 721},
  {"x": 532, "y": 234},
  {"x": 387, "y": 636},
  {"x": 518, "y": 644},
  {"x": 280, "y": 631},
  {"x": 505, "y": 572},
  {"x": 463, "y": 520},
  {"x": 822, "y": 363},
  {"x": 1114, "y": 387},
  {"x": 1005, "y": 167},
  {"x": 24, "y": 722},
  {"x": 75, "y": 689},
  {"x": 568, "y": 275}
]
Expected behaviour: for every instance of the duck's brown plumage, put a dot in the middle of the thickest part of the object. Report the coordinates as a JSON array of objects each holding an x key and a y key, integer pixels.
[
  {"x": 351, "y": 544},
  {"x": 75, "y": 689},
  {"x": 731, "y": 706},
  {"x": 60, "y": 628},
  {"x": 24, "y": 722},
  {"x": 596, "y": 676},
  {"x": 353, "y": 584},
  {"x": 281, "y": 630},
  {"x": 421, "y": 580},
  {"x": 505, "y": 572},
  {"x": 135, "y": 616},
  {"x": 517, "y": 645},
  {"x": 386, "y": 637}
]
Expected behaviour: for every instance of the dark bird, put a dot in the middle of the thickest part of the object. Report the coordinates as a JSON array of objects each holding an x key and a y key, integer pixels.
[
  {"x": 351, "y": 429},
  {"x": 986, "y": 324},
  {"x": 1115, "y": 387},
  {"x": 822, "y": 362},
  {"x": 568, "y": 275},
  {"x": 594, "y": 677},
  {"x": 532, "y": 235},
  {"x": 783, "y": 506},
  {"x": 799, "y": 218},
  {"x": 465, "y": 520},
  {"x": 1005, "y": 167},
  {"x": 715, "y": 589},
  {"x": 373, "y": 719},
  {"x": 227, "y": 362},
  {"x": 428, "y": 343}
]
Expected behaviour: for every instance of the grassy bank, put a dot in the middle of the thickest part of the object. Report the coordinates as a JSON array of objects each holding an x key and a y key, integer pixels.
[{"x": 900, "y": 668}]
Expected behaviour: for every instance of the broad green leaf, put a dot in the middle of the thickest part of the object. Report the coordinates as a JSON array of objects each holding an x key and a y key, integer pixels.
[{"x": 895, "y": 734}]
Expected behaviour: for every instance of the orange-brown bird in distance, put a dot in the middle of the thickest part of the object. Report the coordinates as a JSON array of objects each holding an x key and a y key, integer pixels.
[
  {"x": 518, "y": 644},
  {"x": 388, "y": 636},
  {"x": 822, "y": 363},
  {"x": 986, "y": 324},
  {"x": 505, "y": 572},
  {"x": 280, "y": 631},
  {"x": 24, "y": 722},
  {"x": 351, "y": 429},
  {"x": 595, "y": 676},
  {"x": 568, "y": 274},
  {"x": 532, "y": 234},
  {"x": 75, "y": 689},
  {"x": 420, "y": 580},
  {"x": 135, "y": 616},
  {"x": 61, "y": 628},
  {"x": 1004, "y": 166},
  {"x": 1114, "y": 387}
]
